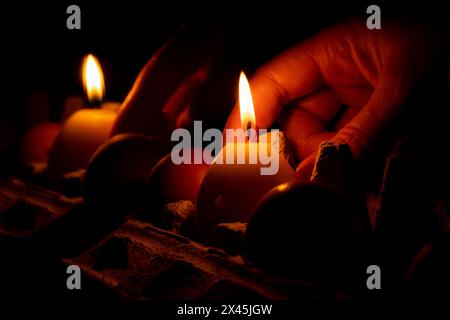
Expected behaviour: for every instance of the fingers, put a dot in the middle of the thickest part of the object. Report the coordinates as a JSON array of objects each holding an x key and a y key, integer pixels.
[
  {"x": 382, "y": 108},
  {"x": 355, "y": 96},
  {"x": 180, "y": 100},
  {"x": 305, "y": 127},
  {"x": 291, "y": 75},
  {"x": 189, "y": 51},
  {"x": 322, "y": 103},
  {"x": 304, "y": 131},
  {"x": 213, "y": 101},
  {"x": 365, "y": 126}
]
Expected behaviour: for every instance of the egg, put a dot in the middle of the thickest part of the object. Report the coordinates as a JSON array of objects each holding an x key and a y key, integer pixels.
[
  {"x": 117, "y": 172},
  {"x": 306, "y": 231},
  {"x": 169, "y": 182}
]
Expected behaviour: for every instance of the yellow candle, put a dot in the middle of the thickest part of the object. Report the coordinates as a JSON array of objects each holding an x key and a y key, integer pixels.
[
  {"x": 85, "y": 130},
  {"x": 231, "y": 190}
]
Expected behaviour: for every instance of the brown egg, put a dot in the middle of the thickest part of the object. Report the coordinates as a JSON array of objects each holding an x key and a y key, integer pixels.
[
  {"x": 305, "y": 231},
  {"x": 37, "y": 142},
  {"x": 169, "y": 182},
  {"x": 117, "y": 172}
]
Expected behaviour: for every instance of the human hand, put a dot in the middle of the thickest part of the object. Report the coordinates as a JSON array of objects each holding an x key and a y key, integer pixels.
[
  {"x": 161, "y": 97},
  {"x": 369, "y": 71}
]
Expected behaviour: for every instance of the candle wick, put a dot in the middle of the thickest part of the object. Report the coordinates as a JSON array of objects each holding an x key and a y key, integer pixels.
[
  {"x": 249, "y": 131},
  {"x": 94, "y": 104}
]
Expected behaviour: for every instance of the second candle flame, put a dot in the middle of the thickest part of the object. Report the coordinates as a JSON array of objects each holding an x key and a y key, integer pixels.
[
  {"x": 247, "y": 111},
  {"x": 93, "y": 81}
]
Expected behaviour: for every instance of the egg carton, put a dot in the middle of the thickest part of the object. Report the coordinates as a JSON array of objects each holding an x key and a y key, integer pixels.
[
  {"x": 139, "y": 261},
  {"x": 33, "y": 218}
]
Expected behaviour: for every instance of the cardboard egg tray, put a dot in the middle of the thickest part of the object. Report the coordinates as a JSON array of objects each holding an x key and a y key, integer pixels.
[
  {"x": 141, "y": 262},
  {"x": 128, "y": 261}
]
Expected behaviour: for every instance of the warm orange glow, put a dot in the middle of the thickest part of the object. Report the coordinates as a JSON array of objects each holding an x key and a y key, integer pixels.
[
  {"x": 246, "y": 108},
  {"x": 93, "y": 82}
]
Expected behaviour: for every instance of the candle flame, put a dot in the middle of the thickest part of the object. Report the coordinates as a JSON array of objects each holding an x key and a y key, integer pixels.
[
  {"x": 93, "y": 81},
  {"x": 247, "y": 111}
]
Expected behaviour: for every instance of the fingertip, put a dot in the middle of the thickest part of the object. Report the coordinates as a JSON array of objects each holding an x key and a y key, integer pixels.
[{"x": 304, "y": 169}]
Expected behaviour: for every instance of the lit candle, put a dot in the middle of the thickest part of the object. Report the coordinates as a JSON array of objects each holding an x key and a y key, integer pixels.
[
  {"x": 86, "y": 129},
  {"x": 230, "y": 191}
]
